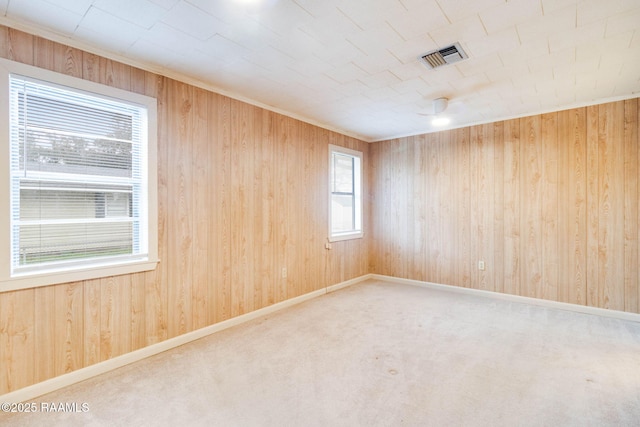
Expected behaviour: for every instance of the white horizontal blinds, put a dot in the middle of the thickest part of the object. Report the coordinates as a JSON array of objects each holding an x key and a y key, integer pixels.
[
  {"x": 342, "y": 193},
  {"x": 77, "y": 179}
]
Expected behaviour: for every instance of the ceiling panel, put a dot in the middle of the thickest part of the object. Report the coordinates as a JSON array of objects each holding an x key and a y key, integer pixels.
[{"x": 353, "y": 66}]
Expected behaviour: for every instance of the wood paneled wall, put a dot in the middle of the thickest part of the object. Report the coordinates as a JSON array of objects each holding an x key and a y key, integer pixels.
[
  {"x": 242, "y": 193},
  {"x": 549, "y": 202}
]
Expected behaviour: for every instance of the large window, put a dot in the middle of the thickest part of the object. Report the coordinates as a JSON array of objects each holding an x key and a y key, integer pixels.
[
  {"x": 345, "y": 187},
  {"x": 81, "y": 182}
]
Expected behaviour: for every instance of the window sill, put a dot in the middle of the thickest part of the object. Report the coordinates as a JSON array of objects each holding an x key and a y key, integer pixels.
[
  {"x": 346, "y": 236},
  {"x": 53, "y": 277}
]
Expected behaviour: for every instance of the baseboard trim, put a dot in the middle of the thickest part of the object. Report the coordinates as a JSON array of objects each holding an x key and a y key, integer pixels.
[
  {"x": 616, "y": 314},
  {"x": 56, "y": 383},
  {"x": 350, "y": 282}
]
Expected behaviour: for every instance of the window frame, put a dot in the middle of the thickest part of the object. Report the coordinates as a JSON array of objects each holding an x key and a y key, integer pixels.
[
  {"x": 10, "y": 280},
  {"x": 358, "y": 189}
]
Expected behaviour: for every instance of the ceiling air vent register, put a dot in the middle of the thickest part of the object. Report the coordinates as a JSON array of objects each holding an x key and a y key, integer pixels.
[{"x": 446, "y": 55}]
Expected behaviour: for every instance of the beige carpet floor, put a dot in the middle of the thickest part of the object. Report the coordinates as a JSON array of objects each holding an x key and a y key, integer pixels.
[{"x": 379, "y": 354}]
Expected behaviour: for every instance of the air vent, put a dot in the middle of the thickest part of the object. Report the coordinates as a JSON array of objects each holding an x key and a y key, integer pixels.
[{"x": 444, "y": 56}]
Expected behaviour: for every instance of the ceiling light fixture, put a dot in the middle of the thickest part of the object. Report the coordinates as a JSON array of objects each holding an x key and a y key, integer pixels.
[
  {"x": 439, "y": 105},
  {"x": 440, "y": 121}
]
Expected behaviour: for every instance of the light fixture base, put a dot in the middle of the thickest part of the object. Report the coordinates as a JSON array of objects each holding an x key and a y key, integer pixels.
[{"x": 439, "y": 105}]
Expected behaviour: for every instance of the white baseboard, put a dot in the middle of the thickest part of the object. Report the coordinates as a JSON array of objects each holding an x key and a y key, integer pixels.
[
  {"x": 53, "y": 384},
  {"x": 616, "y": 314},
  {"x": 350, "y": 282}
]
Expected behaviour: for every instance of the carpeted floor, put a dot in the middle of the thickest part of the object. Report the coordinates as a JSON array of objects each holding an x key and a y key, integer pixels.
[{"x": 378, "y": 354}]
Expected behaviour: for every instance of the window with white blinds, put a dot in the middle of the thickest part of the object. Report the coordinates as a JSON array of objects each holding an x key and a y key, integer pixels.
[
  {"x": 78, "y": 186},
  {"x": 345, "y": 188}
]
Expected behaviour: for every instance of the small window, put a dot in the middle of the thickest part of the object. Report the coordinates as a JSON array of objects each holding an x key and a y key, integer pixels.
[
  {"x": 81, "y": 181},
  {"x": 345, "y": 187}
]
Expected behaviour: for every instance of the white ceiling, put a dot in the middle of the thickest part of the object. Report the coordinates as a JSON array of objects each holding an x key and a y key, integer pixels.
[{"x": 352, "y": 65}]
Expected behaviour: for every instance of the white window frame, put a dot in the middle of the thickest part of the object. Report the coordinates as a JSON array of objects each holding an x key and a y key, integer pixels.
[
  {"x": 10, "y": 280},
  {"x": 357, "y": 231}
]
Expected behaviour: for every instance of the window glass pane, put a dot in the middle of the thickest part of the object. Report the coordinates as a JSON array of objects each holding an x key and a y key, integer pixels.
[
  {"x": 68, "y": 116},
  {"x": 342, "y": 173},
  {"x": 53, "y": 201},
  {"x": 51, "y": 226},
  {"x": 342, "y": 213},
  {"x": 46, "y": 152},
  {"x": 345, "y": 183},
  {"x": 77, "y": 186},
  {"x": 117, "y": 205},
  {"x": 41, "y": 243}
]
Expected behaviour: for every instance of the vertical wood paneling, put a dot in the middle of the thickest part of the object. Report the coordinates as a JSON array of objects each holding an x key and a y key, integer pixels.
[
  {"x": 550, "y": 202},
  {"x": 432, "y": 232},
  {"x": 549, "y": 199},
  {"x": 397, "y": 178},
  {"x": 180, "y": 214},
  {"x": 138, "y": 304},
  {"x": 267, "y": 265},
  {"x": 67, "y": 60},
  {"x": 409, "y": 217},
  {"x": 511, "y": 275},
  {"x": 91, "y": 67},
  {"x": 19, "y": 46},
  {"x": 593, "y": 203},
  {"x": 219, "y": 211},
  {"x": 68, "y": 303},
  {"x": 445, "y": 213},
  {"x": 419, "y": 247},
  {"x": 631, "y": 207},
  {"x": 156, "y": 308},
  {"x": 45, "y": 331},
  {"x": 91, "y": 321},
  {"x": 59, "y": 328},
  {"x": 44, "y": 56},
  {"x": 374, "y": 227},
  {"x": 498, "y": 208},
  {"x": 314, "y": 238},
  {"x": 109, "y": 311},
  {"x": 475, "y": 133},
  {"x": 299, "y": 172},
  {"x": 262, "y": 214},
  {"x": 242, "y": 146},
  {"x": 552, "y": 206},
  {"x": 572, "y": 204},
  {"x": 241, "y": 194},
  {"x": 462, "y": 181},
  {"x": 201, "y": 202},
  {"x": 139, "y": 82},
  {"x": 282, "y": 200},
  {"x": 531, "y": 208},
  {"x": 17, "y": 341},
  {"x": 5, "y": 42},
  {"x": 611, "y": 206},
  {"x": 482, "y": 138},
  {"x": 115, "y": 316},
  {"x": 377, "y": 203}
]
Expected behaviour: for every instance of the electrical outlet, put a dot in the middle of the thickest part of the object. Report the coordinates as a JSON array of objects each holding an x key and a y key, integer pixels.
[
  {"x": 481, "y": 265},
  {"x": 284, "y": 272}
]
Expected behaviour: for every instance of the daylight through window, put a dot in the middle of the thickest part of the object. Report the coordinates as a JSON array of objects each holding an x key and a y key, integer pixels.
[
  {"x": 79, "y": 188},
  {"x": 345, "y": 185}
]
